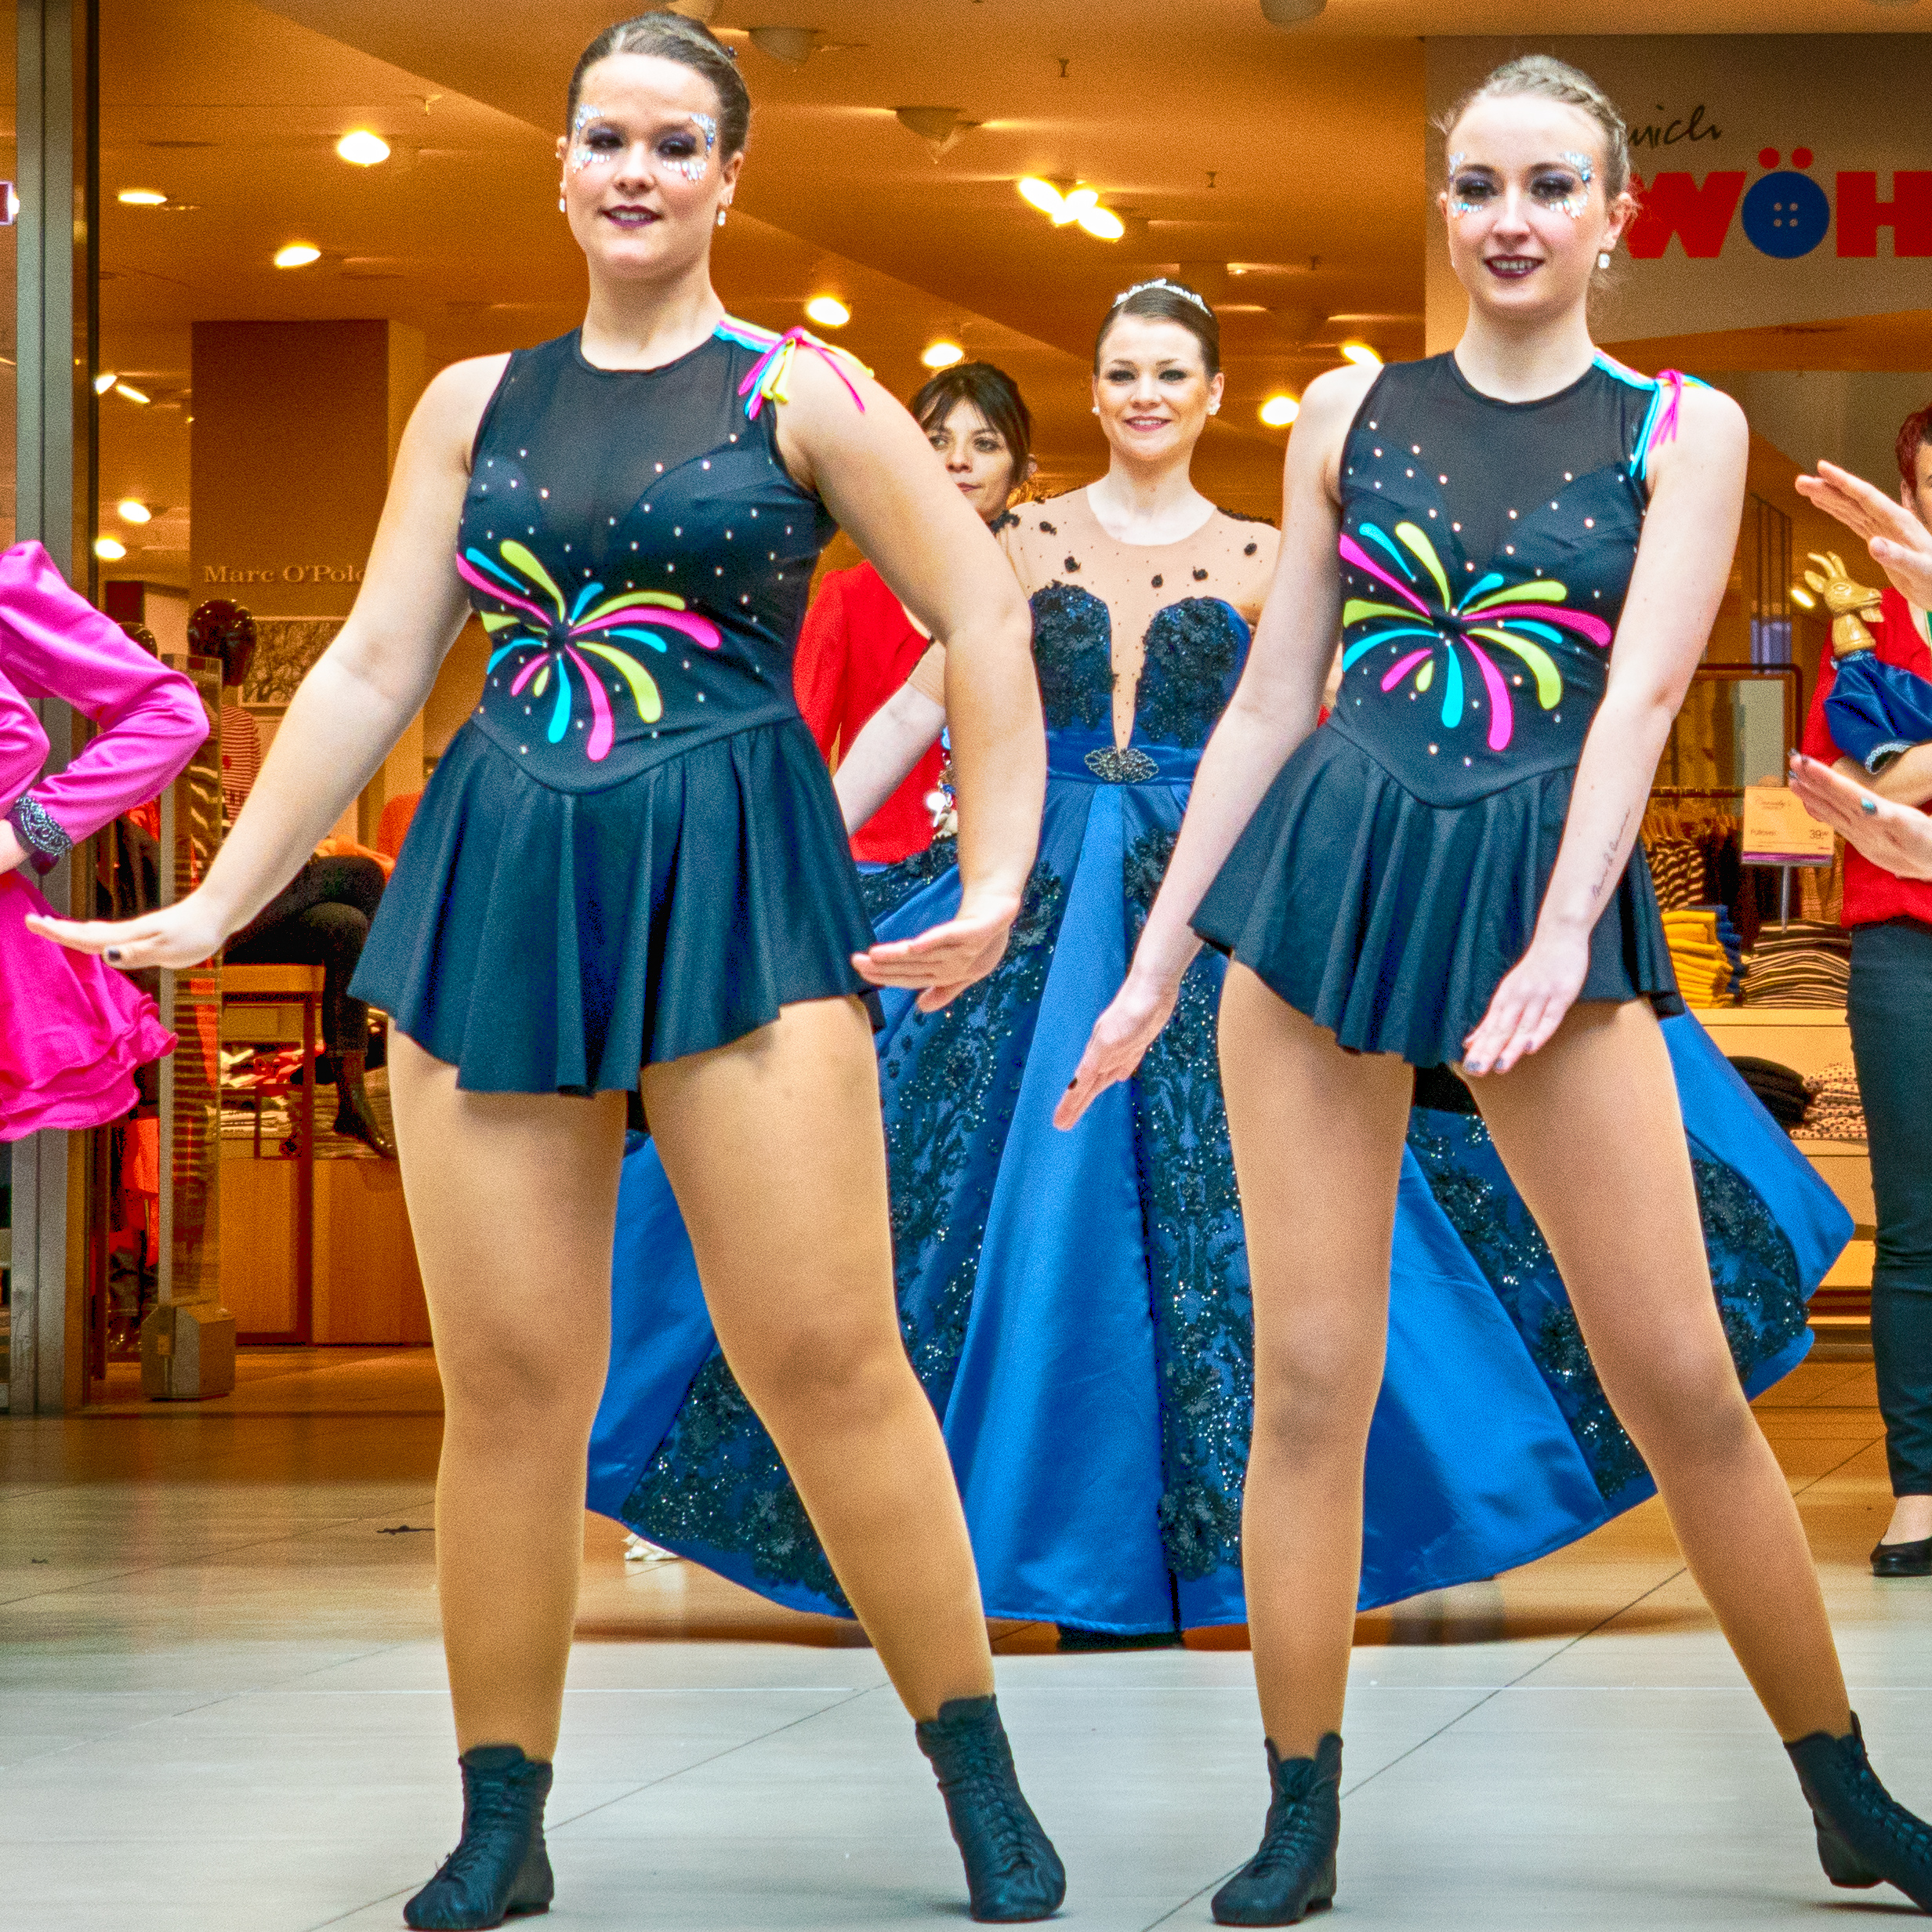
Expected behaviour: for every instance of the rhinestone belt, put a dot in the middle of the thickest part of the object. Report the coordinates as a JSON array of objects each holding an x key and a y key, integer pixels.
[{"x": 1116, "y": 765}]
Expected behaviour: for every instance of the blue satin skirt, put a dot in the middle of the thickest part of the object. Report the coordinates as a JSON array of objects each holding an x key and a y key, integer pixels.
[{"x": 1076, "y": 1305}]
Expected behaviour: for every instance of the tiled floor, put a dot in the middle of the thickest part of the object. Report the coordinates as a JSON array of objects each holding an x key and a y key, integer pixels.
[{"x": 222, "y": 1706}]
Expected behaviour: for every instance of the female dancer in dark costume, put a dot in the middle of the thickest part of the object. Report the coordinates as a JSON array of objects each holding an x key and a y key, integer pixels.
[
  {"x": 1445, "y": 875},
  {"x": 632, "y": 856}
]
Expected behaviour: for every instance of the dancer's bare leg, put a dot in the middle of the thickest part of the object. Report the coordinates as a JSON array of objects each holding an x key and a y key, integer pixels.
[
  {"x": 774, "y": 1149},
  {"x": 513, "y": 1198},
  {"x": 1317, "y": 1138},
  {"x": 1590, "y": 1131}
]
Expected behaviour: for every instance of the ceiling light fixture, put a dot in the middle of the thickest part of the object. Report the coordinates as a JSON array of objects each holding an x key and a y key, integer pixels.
[
  {"x": 141, "y": 197},
  {"x": 937, "y": 127},
  {"x": 1081, "y": 205},
  {"x": 827, "y": 312},
  {"x": 363, "y": 149},
  {"x": 794, "y": 45},
  {"x": 1290, "y": 13},
  {"x": 104, "y": 382},
  {"x": 1802, "y": 598},
  {"x": 131, "y": 509},
  {"x": 1278, "y": 412},
  {"x": 942, "y": 355},
  {"x": 109, "y": 549},
  {"x": 1360, "y": 353},
  {"x": 297, "y": 254},
  {"x": 130, "y": 392}
]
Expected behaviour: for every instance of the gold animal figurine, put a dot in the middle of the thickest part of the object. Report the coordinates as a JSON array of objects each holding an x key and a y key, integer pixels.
[{"x": 1849, "y": 602}]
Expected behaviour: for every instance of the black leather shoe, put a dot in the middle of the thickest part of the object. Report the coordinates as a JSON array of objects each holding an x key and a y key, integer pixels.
[
  {"x": 1903, "y": 1559},
  {"x": 1866, "y": 1837},
  {"x": 1013, "y": 1871},
  {"x": 501, "y": 1869},
  {"x": 1293, "y": 1873}
]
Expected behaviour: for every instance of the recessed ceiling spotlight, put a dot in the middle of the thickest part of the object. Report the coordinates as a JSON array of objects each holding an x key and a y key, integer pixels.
[
  {"x": 1039, "y": 194},
  {"x": 141, "y": 197},
  {"x": 1361, "y": 353},
  {"x": 131, "y": 392},
  {"x": 1081, "y": 205},
  {"x": 109, "y": 549},
  {"x": 1802, "y": 598},
  {"x": 297, "y": 254},
  {"x": 104, "y": 382},
  {"x": 827, "y": 312},
  {"x": 942, "y": 355},
  {"x": 1278, "y": 412},
  {"x": 362, "y": 148},
  {"x": 131, "y": 509}
]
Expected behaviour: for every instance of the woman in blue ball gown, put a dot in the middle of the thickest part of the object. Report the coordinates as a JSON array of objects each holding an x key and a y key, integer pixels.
[{"x": 1077, "y": 1305}]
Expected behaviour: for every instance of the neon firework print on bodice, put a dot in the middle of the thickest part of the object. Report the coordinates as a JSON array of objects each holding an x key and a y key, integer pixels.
[
  {"x": 1485, "y": 551},
  {"x": 1521, "y": 618},
  {"x": 554, "y": 638}
]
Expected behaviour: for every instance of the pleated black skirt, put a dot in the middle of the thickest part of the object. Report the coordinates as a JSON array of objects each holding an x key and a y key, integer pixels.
[
  {"x": 544, "y": 942},
  {"x": 1391, "y": 921}
]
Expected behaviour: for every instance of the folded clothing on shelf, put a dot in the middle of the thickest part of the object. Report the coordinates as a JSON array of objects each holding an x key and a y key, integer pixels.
[
  {"x": 1705, "y": 953},
  {"x": 1806, "y": 963},
  {"x": 1835, "y": 1111},
  {"x": 1782, "y": 1091}
]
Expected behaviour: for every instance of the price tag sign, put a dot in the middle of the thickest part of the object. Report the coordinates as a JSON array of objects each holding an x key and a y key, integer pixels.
[{"x": 1778, "y": 831}]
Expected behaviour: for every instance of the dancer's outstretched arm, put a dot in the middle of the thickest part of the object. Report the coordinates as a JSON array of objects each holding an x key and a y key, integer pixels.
[
  {"x": 1900, "y": 545},
  {"x": 351, "y": 708},
  {"x": 1273, "y": 708}
]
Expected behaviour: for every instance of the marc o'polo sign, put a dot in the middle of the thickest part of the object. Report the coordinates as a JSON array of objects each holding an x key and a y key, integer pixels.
[
  {"x": 1783, "y": 178},
  {"x": 232, "y": 573}
]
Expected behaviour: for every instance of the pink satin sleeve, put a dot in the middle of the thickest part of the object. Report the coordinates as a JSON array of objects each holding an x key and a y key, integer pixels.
[{"x": 54, "y": 643}]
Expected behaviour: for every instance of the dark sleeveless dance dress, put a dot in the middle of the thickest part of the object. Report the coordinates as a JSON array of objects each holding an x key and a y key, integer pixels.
[
  {"x": 1392, "y": 875},
  {"x": 631, "y": 851}
]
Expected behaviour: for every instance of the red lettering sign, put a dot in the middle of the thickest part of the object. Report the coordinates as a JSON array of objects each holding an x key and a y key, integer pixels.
[
  {"x": 1675, "y": 205},
  {"x": 1861, "y": 214}
]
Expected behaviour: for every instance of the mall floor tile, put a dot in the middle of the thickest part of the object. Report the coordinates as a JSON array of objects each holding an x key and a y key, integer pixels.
[{"x": 223, "y": 1709}]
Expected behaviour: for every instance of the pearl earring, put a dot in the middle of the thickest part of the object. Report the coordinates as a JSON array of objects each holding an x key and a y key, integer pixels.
[
  {"x": 1214, "y": 409},
  {"x": 1603, "y": 258},
  {"x": 720, "y": 218},
  {"x": 563, "y": 207}
]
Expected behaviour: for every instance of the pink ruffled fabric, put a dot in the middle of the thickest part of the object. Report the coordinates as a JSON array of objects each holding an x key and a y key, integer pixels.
[{"x": 72, "y": 1031}]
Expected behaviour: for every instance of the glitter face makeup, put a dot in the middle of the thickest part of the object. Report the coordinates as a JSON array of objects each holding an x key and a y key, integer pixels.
[
  {"x": 1581, "y": 164},
  {"x": 684, "y": 149}
]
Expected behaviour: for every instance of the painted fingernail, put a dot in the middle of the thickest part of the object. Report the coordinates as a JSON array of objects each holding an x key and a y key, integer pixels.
[
  {"x": 113, "y": 952},
  {"x": 1870, "y": 808}
]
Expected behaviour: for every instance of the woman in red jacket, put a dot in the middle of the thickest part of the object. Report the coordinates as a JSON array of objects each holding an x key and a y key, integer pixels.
[{"x": 858, "y": 646}]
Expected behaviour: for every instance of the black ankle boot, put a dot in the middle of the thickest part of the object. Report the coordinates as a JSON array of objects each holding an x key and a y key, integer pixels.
[
  {"x": 1013, "y": 1871},
  {"x": 1293, "y": 1873},
  {"x": 1866, "y": 1837},
  {"x": 500, "y": 1870},
  {"x": 354, "y": 1113}
]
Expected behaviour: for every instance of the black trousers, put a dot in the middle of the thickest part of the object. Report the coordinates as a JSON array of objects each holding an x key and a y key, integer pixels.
[
  {"x": 1890, "y": 1010},
  {"x": 321, "y": 917}
]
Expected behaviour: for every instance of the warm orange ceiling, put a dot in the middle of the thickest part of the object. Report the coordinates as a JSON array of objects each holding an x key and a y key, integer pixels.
[{"x": 1296, "y": 156}]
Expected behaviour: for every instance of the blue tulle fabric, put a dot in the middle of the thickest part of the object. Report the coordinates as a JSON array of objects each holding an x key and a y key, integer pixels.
[{"x": 1076, "y": 1305}]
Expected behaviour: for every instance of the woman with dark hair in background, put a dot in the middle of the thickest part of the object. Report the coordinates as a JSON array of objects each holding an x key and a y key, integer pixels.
[
  {"x": 860, "y": 644},
  {"x": 636, "y": 788}
]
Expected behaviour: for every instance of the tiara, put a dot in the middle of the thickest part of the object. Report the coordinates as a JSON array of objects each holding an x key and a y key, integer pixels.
[{"x": 1172, "y": 288}]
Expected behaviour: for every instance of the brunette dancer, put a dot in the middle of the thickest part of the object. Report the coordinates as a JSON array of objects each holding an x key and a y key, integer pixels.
[
  {"x": 631, "y": 855},
  {"x": 1446, "y": 875}
]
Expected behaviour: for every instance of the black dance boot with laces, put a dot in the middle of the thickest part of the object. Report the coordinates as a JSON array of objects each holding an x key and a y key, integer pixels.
[
  {"x": 1293, "y": 1873},
  {"x": 1013, "y": 1871},
  {"x": 500, "y": 1870},
  {"x": 1866, "y": 1836}
]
